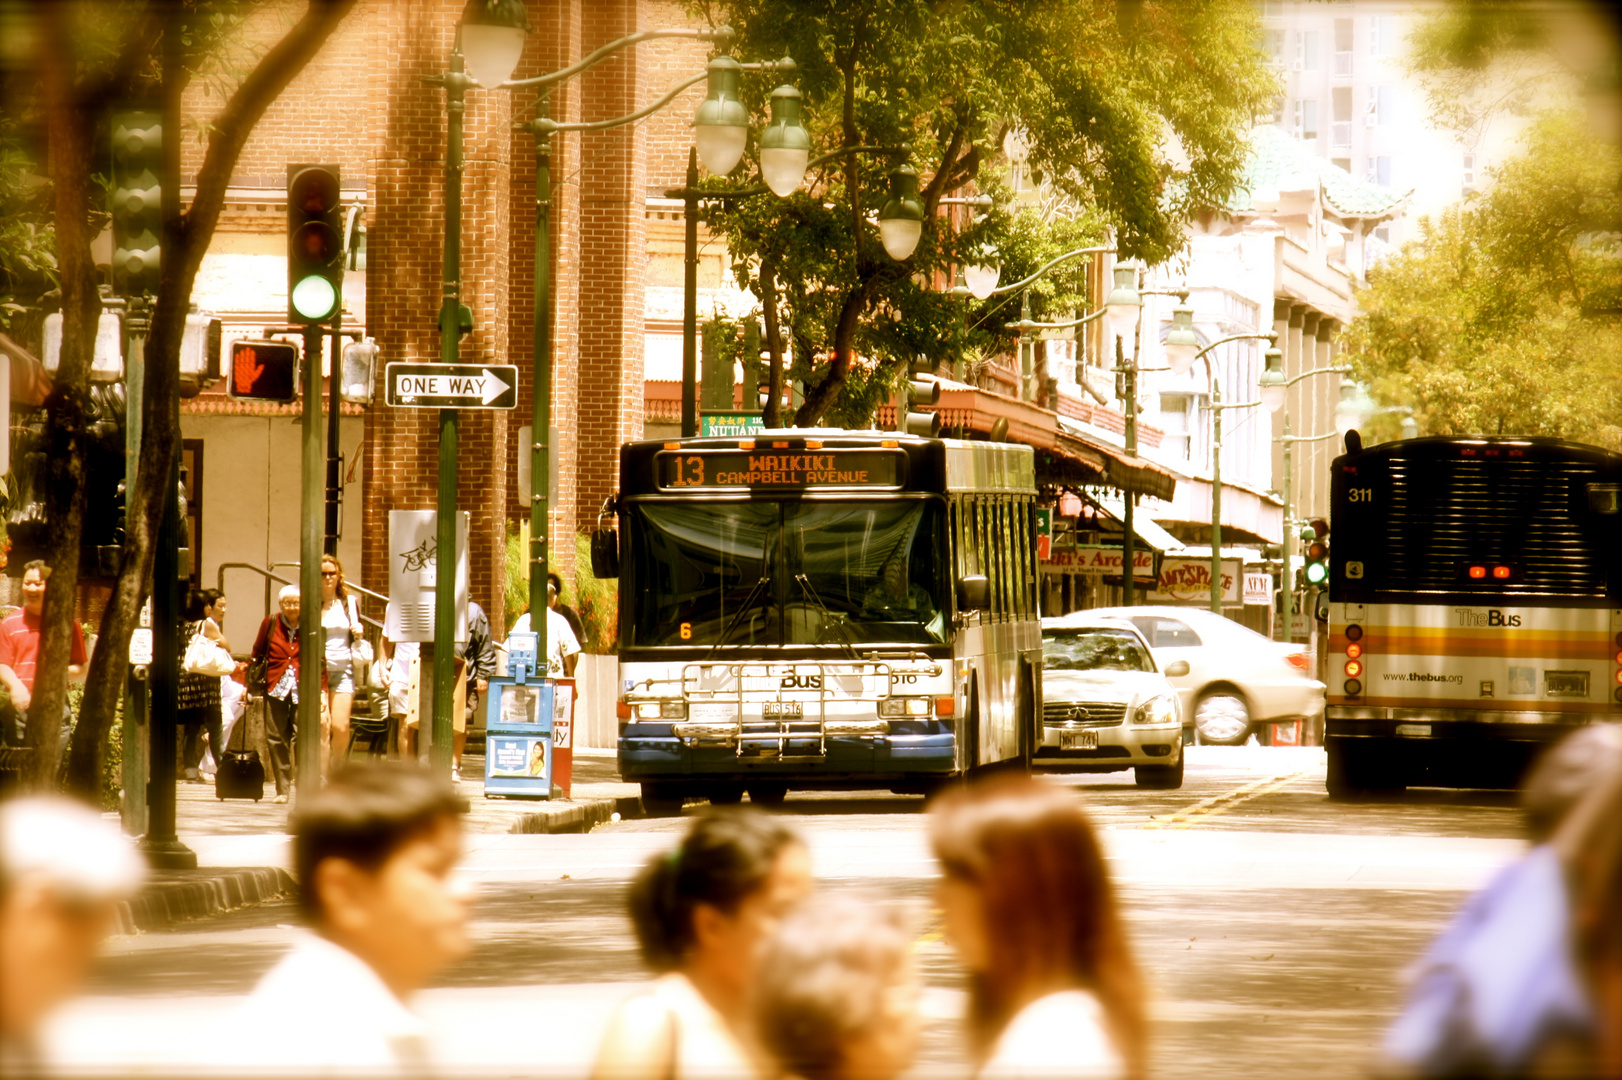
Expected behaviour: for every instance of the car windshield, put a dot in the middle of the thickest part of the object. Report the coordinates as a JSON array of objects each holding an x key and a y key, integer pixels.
[
  {"x": 791, "y": 572},
  {"x": 1094, "y": 649}
]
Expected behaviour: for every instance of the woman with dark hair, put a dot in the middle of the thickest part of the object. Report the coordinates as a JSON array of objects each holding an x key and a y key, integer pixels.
[
  {"x": 700, "y": 912},
  {"x": 197, "y": 700},
  {"x": 1029, "y": 908}
]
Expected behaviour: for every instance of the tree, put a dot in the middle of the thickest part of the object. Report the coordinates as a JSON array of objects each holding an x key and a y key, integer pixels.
[
  {"x": 1135, "y": 113},
  {"x": 1501, "y": 317},
  {"x": 91, "y": 58}
]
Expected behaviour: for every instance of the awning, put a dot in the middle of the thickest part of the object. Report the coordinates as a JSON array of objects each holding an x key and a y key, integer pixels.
[
  {"x": 1128, "y": 472},
  {"x": 1144, "y": 526}
]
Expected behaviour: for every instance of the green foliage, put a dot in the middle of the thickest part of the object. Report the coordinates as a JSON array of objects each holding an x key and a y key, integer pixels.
[
  {"x": 27, "y": 235},
  {"x": 1502, "y": 317},
  {"x": 1135, "y": 115},
  {"x": 597, "y": 600}
]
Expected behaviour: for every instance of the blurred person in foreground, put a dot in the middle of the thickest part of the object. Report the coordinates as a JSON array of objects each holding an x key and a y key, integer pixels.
[
  {"x": 1028, "y": 906},
  {"x": 376, "y": 854},
  {"x": 701, "y": 911},
  {"x": 20, "y": 652},
  {"x": 837, "y": 995},
  {"x": 1526, "y": 981},
  {"x": 63, "y": 871}
]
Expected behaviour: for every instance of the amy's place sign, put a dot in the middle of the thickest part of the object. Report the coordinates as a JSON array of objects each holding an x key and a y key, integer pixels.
[{"x": 452, "y": 386}]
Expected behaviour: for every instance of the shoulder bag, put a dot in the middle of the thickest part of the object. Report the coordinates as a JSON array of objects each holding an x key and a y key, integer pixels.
[{"x": 204, "y": 657}]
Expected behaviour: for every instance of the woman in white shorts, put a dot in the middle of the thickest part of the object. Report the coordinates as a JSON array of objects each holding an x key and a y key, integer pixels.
[{"x": 340, "y": 629}]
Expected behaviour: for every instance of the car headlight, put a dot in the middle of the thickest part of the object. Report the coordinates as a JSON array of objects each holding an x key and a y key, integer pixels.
[
  {"x": 661, "y": 710},
  {"x": 1157, "y": 710}
]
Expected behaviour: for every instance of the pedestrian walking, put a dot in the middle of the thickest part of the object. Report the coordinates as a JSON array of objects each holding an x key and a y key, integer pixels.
[
  {"x": 278, "y": 646},
  {"x": 1029, "y": 909},
  {"x": 1527, "y": 979},
  {"x": 63, "y": 870},
  {"x": 554, "y": 600},
  {"x": 400, "y": 671},
  {"x": 479, "y": 658},
  {"x": 376, "y": 853},
  {"x": 700, "y": 912},
  {"x": 837, "y": 994},
  {"x": 561, "y": 649},
  {"x": 20, "y": 653},
  {"x": 197, "y": 702},
  {"x": 340, "y": 631}
]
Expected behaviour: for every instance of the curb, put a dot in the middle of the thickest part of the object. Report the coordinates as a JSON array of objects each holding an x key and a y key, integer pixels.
[
  {"x": 578, "y": 817},
  {"x": 183, "y": 895}
]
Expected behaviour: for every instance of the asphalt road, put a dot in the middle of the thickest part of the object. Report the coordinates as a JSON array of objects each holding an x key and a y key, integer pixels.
[{"x": 1272, "y": 926}]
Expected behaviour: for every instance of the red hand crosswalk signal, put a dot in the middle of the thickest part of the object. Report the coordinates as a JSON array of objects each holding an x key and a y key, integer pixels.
[
  {"x": 266, "y": 370},
  {"x": 315, "y": 271}
]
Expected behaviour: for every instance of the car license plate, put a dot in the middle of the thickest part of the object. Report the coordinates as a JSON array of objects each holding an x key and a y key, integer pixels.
[
  {"x": 1078, "y": 740},
  {"x": 782, "y": 709}
]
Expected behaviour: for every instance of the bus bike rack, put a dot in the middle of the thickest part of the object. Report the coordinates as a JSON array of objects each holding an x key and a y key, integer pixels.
[{"x": 782, "y": 738}]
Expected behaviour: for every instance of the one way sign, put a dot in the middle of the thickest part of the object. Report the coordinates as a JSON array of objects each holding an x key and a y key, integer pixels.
[{"x": 452, "y": 386}]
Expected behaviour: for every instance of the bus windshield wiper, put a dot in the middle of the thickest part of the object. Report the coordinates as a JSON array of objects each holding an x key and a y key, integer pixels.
[
  {"x": 805, "y": 586},
  {"x": 744, "y": 609}
]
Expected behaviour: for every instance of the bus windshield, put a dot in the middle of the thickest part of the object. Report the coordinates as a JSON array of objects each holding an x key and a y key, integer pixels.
[{"x": 789, "y": 572}]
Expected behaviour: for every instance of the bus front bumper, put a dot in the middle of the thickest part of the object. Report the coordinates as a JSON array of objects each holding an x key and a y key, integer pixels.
[{"x": 660, "y": 752}]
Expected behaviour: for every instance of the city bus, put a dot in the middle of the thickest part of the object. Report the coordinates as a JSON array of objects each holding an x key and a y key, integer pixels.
[
  {"x": 1475, "y": 607},
  {"x": 822, "y": 609}
]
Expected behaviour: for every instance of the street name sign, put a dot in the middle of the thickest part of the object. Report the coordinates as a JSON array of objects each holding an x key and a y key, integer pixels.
[{"x": 452, "y": 386}]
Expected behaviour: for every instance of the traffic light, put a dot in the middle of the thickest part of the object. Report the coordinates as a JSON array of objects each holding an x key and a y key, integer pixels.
[
  {"x": 1316, "y": 535},
  {"x": 919, "y": 391},
  {"x": 135, "y": 202},
  {"x": 315, "y": 270},
  {"x": 264, "y": 369}
]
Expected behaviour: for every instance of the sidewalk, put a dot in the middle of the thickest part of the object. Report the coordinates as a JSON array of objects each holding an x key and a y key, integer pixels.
[{"x": 244, "y": 854}]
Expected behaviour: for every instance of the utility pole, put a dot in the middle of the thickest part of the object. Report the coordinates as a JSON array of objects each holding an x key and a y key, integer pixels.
[{"x": 1129, "y": 548}]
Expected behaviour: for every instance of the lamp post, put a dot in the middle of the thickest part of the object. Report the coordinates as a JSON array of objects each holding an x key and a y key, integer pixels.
[
  {"x": 1274, "y": 387},
  {"x": 722, "y": 134}
]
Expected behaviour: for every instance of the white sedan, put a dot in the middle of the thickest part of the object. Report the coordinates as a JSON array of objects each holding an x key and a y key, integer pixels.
[
  {"x": 1236, "y": 679},
  {"x": 1106, "y": 706}
]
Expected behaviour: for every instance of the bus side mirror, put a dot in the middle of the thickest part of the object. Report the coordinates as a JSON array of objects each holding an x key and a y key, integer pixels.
[
  {"x": 605, "y": 553},
  {"x": 973, "y": 593},
  {"x": 1176, "y": 669}
]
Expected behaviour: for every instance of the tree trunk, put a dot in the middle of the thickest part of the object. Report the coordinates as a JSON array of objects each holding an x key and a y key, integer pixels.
[
  {"x": 773, "y": 417},
  {"x": 820, "y": 398},
  {"x": 185, "y": 240}
]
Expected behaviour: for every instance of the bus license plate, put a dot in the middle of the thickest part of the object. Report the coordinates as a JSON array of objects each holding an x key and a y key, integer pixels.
[
  {"x": 1078, "y": 740},
  {"x": 1568, "y": 684},
  {"x": 782, "y": 709}
]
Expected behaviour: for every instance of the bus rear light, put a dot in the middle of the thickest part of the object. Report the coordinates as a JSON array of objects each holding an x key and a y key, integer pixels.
[
  {"x": 1354, "y": 650},
  {"x": 904, "y": 706},
  {"x": 1299, "y": 661},
  {"x": 1354, "y": 632},
  {"x": 945, "y": 706},
  {"x": 1500, "y": 572},
  {"x": 1618, "y": 695},
  {"x": 1477, "y": 573},
  {"x": 1353, "y": 688},
  {"x": 1354, "y": 668},
  {"x": 1619, "y": 675}
]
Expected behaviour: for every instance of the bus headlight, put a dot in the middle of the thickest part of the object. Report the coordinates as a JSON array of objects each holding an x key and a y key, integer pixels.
[
  {"x": 661, "y": 710},
  {"x": 895, "y": 707},
  {"x": 1157, "y": 710}
]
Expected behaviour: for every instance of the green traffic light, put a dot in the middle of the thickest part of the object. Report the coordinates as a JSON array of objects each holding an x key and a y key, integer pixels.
[
  {"x": 314, "y": 298},
  {"x": 1317, "y": 572}
]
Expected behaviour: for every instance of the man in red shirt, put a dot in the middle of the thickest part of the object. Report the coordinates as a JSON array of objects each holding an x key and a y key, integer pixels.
[{"x": 19, "y": 645}]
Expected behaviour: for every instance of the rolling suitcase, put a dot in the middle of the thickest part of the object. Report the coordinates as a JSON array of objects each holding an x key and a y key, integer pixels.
[{"x": 239, "y": 774}]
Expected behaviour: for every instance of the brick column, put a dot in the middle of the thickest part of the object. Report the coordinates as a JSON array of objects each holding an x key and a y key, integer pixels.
[
  {"x": 406, "y": 236},
  {"x": 613, "y": 244}
]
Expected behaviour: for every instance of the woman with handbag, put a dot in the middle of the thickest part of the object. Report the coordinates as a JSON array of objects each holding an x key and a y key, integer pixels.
[
  {"x": 341, "y": 636},
  {"x": 198, "y": 693}
]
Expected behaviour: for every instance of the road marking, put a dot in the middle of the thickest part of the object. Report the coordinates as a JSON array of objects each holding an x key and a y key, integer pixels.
[{"x": 1206, "y": 809}]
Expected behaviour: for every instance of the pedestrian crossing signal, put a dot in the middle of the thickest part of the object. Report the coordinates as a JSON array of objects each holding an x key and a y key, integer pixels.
[{"x": 264, "y": 370}]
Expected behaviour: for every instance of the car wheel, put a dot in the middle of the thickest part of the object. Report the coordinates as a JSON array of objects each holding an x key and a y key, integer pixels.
[
  {"x": 768, "y": 794},
  {"x": 1221, "y": 717},
  {"x": 661, "y": 800},
  {"x": 1165, "y": 777}
]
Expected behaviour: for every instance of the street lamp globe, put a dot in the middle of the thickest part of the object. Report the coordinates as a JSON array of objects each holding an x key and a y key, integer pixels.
[
  {"x": 982, "y": 279},
  {"x": 1273, "y": 384},
  {"x": 901, "y": 219},
  {"x": 722, "y": 123},
  {"x": 1123, "y": 306},
  {"x": 1353, "y": 408},
  {"x": 1410, "y": 428},
  {"x": 1182, "y": 344},
  {"x": 493, "y": 33},
  {"x": 785, "y": 145}
]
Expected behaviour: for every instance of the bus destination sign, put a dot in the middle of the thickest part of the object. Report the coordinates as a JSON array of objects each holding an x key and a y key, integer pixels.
[{"x": 779, "y": 469}]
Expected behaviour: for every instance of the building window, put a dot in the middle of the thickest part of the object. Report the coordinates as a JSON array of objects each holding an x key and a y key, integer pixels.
[
  {"x": 1383, "y": 233},
  {"x": 1382, "y": 35},
  {"x": 1306, "y": 119},
  {"x": 1340, "y": 130},
  {"x": 1469, "y": 171},
  {"x": 1380, "y": 171},
  {"x": 1382, "y": 106},
  {"x": 1273, "y": 41},
  {"x": 1344, "y": 164},
  {"x": 1272, "y": 9},
  {"x": 1306, "y": 50},
  {"x": 1343, "y": 48}
]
